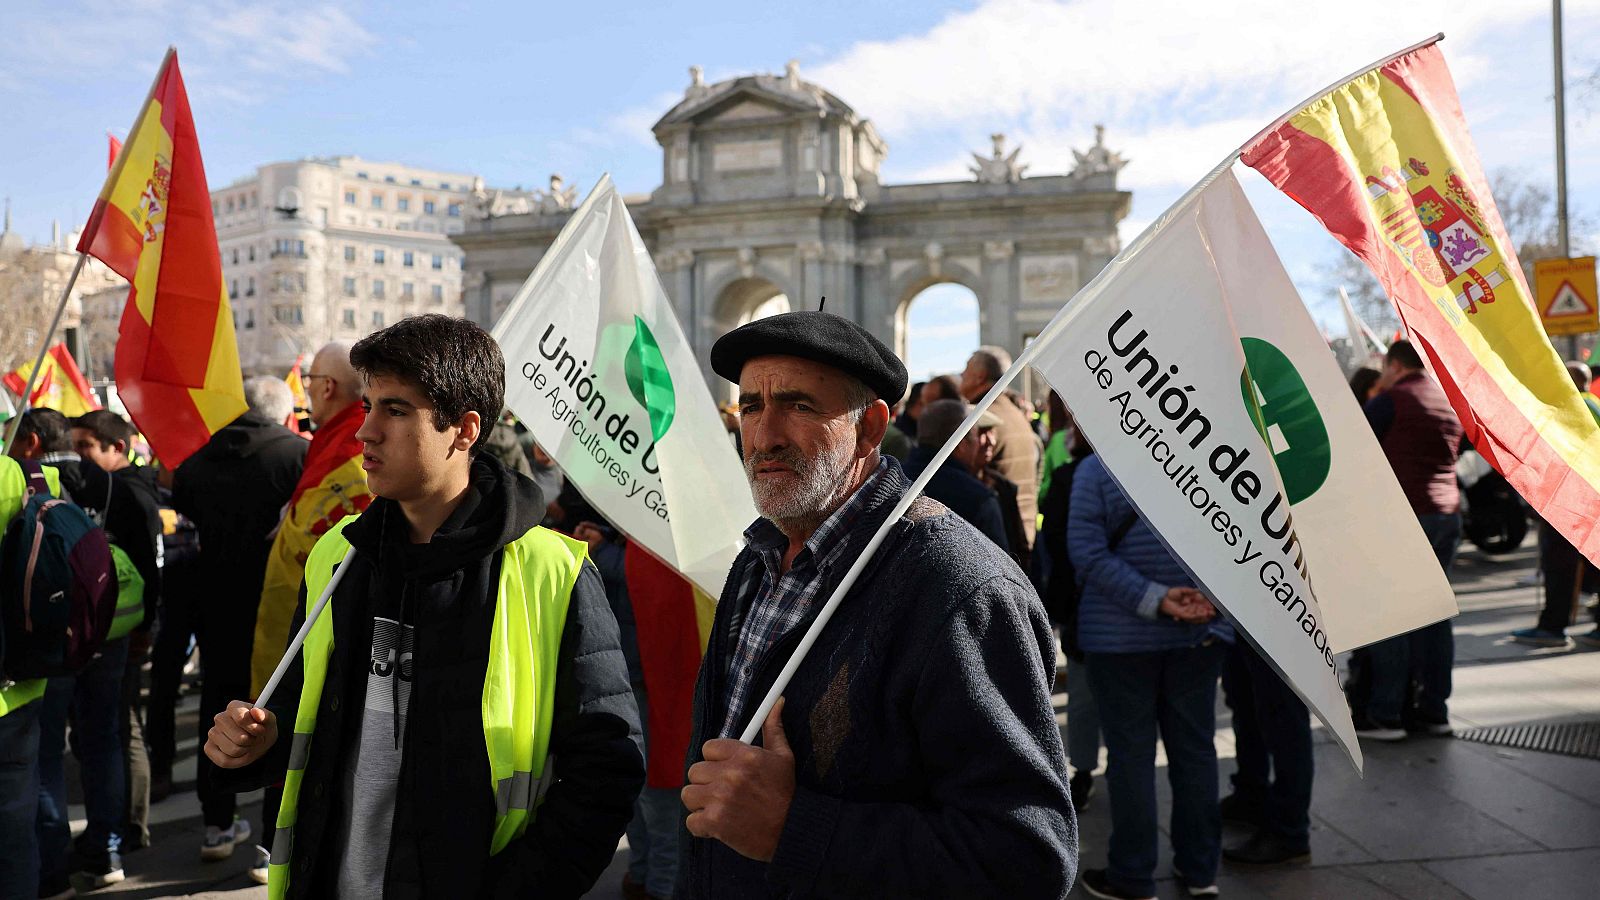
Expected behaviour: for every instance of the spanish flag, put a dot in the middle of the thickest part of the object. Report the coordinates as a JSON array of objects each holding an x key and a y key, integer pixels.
[
  {"x": 332, "y": 486},
  {"x": 672, "y": 619},
  {"x": 177, "y": 364},
  {"x": 60, "y": 386},
  {"x": 297, "y": 386},
  {"x": 1385, "y": 162}
]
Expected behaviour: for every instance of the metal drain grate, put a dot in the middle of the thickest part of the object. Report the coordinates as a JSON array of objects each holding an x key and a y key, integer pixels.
[{"x": 1568, "y": 738}]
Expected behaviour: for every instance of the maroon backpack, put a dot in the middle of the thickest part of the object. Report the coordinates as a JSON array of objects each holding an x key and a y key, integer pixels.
[{"x": 58, "y": 586}]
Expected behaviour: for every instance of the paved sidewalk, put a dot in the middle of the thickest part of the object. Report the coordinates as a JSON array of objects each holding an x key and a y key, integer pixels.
[{"x": 1433, "y": 818}]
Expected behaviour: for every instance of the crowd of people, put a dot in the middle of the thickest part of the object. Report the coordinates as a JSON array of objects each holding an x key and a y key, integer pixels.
[{"x": 496, "y": 693}]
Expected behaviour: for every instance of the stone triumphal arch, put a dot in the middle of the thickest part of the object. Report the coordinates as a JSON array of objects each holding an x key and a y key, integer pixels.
[{"x": 770, "y": 199}]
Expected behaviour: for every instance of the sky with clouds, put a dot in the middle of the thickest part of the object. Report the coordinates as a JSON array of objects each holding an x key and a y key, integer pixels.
[{"x": 517, "y": 91}]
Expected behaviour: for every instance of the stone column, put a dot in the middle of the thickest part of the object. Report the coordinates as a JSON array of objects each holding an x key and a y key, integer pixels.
[
  {"x": 1000, "y": 299},
  {"x": 677, "y": 276},
  {"x": 876, "y": 307},
  {"x": 811, "y": 287},
  {"x": 476, "y": 297}
]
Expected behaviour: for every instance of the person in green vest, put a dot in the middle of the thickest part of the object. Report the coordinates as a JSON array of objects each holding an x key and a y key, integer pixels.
[
  {"x": 459, "y": 722},
  {"x": 19, "y": 732}
]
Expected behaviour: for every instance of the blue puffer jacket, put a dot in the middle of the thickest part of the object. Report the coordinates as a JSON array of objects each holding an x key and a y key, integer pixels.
[{"x": 1121, "y": 589}]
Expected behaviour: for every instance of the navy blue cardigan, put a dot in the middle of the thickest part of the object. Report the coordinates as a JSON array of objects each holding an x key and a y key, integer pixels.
[{"x": 1120, "y": 590}]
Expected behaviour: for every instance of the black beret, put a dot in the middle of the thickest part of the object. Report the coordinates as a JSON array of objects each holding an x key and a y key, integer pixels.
[{"x": 819, "y": 336}]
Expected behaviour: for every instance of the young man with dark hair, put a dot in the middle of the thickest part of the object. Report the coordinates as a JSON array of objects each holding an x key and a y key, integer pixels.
[
  {"x": 475, "y": 732},
  {"x": 133, "y": 523},
  {"x": 94, "y": 699}
]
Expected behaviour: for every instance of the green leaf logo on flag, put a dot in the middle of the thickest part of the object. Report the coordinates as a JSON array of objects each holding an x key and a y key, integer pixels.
[
  {"x": 648, "y": 379},
  {"x": 1284, "y": 412}
]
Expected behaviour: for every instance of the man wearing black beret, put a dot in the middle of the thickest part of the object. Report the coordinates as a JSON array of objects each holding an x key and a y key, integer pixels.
[{"x": 915, "y": 753}]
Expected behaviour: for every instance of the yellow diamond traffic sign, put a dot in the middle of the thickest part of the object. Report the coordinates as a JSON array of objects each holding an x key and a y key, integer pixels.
[{"x": 1566, "y": 295}]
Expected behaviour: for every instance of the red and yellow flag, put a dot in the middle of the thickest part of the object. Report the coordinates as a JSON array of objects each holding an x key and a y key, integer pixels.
[
  {"x": 60, "y": 386},
  {"x": 1386, "y": 164},
  {"x": 297, "y": 386},
  {"x": 332, "y": 486},
  {"x": 672, "y": 620},
  {"x": 177, "y": 363}
]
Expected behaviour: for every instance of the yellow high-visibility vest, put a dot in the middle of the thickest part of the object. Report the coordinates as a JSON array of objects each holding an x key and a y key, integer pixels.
[
  {"x": 537, "y": 573},
  {"x": 13, "y": 494}
]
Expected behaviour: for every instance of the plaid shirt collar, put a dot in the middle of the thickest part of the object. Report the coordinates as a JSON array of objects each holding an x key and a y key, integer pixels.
[
  {"x": 771, "y": 602},
  {"x": 825, "y": 544}
]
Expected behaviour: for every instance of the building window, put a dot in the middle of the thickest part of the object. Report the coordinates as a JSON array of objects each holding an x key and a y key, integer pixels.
[
  {"x": 427, "y": 207},
  {"x": 377, "y": 256},
  {"x": 349, "y": 253},
  {"x": 389, "y": 179},
  {"x": 377, "y": 287},
  {"x": 233, "y": 290},
  {"x": 377, "y": 318},
  {"x": 377, "y": 201},
  {"x": 438, "y": 261},
  {"x": 252, "y": 252},
  {"x": 236, "y": 256},
  {"x": 300, "y": 282},
  {"x": 406, "y": 259},
  {"x": 416, "y": 182},
  {"x": 403, "y": 204},
  {"x": 444, "y": 185},
  {"x": 453, "y": 209},
  {"x": 228, "y": 207},
  {"x": 362, "y": 176},
  {"x": 250, "y": 287},
  {"x": 288, "y": 314},
  {"x": 408, "y": 290},
  {"x": 287, "y": 247},
  {"x": 438, "y": 293},
  {"x": 349, "y": 198},
  {"x": 348, "y": 318},
  {"x": 249, "y": 319},
  {"x": 349, "y": 287}
]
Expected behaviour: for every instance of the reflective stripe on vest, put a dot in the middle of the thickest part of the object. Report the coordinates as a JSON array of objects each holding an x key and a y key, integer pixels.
[
  {"x": 537, "y": 572},
  {"x": 13, "y": 494}
]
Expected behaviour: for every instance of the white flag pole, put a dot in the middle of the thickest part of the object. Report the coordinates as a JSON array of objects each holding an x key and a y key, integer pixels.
[
  {"x": 1062, "y": 317},
  {"x": 305, "y": 629},
  {"x": 1059, "y": 322}
]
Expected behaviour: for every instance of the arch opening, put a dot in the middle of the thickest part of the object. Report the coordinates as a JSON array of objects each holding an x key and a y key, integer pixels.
[{"x": 939, "y": 329}]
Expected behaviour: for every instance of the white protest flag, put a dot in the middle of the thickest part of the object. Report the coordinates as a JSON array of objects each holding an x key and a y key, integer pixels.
[
  {"x": 1194, "y": 369},
  {"x": 599, "y": 370},
  {"x": 1363, "y": 342}
]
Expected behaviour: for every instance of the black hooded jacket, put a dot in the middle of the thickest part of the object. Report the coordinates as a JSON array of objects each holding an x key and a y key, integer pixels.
[
  {"x": 234, "y": 489},
  {"x": 444, "y": 810}
]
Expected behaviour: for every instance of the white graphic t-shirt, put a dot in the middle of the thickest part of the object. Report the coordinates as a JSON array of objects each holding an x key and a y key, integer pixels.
[{"x": 371, "y": 784}]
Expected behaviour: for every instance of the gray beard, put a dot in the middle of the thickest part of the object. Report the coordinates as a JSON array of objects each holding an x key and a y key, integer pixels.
[{"x": 822, "y": 486}]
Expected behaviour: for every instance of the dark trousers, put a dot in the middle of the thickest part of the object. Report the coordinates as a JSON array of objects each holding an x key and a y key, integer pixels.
[
  {"x": 1272, "y": 731},
  {"x": 91, "y": 701},
  {"x": 1426, "y": 655},
  {"x": 179, "y": 589},
  {"x": 1565, "y": 572},
  {"x": 226, "y": 632},
  {"x": 136, "y": 761},
  {"x": 1172, "y": 693},
  {"x": 19, "y": 802}
]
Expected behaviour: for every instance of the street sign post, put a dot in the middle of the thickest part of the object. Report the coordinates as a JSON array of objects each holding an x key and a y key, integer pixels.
[{"x": 1566, "y": 295}]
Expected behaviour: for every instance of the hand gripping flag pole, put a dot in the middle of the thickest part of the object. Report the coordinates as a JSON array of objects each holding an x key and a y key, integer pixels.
[{"x": 300, "y": 636}]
